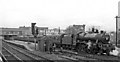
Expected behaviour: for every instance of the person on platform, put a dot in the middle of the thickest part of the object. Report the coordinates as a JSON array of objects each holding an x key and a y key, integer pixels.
[
  {"x": 54, "y": 46},
  {"x": 51, "y": 50}
]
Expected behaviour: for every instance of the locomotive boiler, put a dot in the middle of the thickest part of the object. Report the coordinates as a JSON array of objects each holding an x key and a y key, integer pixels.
[{"x": 103, "y": 38}]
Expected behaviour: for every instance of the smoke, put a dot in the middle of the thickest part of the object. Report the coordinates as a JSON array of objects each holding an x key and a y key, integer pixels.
[{"x": 115, "y": 52}]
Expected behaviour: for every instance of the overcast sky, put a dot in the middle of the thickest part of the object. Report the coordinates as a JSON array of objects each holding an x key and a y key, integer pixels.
[{"x": 58, "y": 13}]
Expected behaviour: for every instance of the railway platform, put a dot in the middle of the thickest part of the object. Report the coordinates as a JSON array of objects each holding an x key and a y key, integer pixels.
[{"x": 28, "y": 46}]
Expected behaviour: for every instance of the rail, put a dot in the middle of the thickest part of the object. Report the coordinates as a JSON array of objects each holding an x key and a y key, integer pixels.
[
  {"x": 3, "y": 58},
  {"x": 14, "y": 56}
]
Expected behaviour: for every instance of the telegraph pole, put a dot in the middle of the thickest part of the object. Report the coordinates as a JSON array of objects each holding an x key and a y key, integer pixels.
[{"x": 116, "y": 28}]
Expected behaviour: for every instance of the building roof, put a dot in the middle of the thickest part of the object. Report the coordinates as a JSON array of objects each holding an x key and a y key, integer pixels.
[
  {"x": 21, "y": 29},
  {"x": 42, "y": 28},
  {"x": 24, "y": 27},
  {"x": 10, "y": 29}
]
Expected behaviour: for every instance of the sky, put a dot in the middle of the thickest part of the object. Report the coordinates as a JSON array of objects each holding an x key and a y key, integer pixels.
[{"x": 59, "y": 13}]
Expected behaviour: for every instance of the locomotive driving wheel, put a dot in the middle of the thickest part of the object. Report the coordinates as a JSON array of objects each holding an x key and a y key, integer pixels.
[{"x": 81, "y": 47}]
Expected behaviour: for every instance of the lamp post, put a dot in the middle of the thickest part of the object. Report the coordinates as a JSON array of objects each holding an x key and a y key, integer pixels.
[{"x": 116, "y": 28}]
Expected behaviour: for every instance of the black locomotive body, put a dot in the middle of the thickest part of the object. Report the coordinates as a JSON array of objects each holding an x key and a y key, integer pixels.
[{"x": 95, "y": 43}]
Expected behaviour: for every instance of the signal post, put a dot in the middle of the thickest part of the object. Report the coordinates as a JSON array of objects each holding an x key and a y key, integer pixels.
[
  {"x": 117, "y": 29},
  {"x": 34, "y": 32}
]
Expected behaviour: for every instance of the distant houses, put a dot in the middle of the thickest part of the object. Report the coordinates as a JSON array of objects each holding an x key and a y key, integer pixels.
[
  {"x": 74, "y": 29},
  {"x": 26, "y": 31}
]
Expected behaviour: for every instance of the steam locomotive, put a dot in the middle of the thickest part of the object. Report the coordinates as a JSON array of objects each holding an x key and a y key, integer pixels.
[{"x": 90, "y": 42}]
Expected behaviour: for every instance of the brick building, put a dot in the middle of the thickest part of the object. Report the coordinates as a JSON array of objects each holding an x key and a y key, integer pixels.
[{"x": 74, "y": 29}]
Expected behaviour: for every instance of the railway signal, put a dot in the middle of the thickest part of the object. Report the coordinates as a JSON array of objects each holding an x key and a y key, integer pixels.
[
  {"x": 37, "y": 31},
  {"x": 34, "y": 32},
  {"x": 33, "y": 28}
]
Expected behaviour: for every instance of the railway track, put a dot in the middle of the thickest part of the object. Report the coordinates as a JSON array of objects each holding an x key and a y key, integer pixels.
[
  {"x": 38, "y": 55},
  {"x": 75, "y": 57},
  {"x": 93, "y": 57},
  {"x": 9, "y": 56},
  {"x": 23, "y": 55}
]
